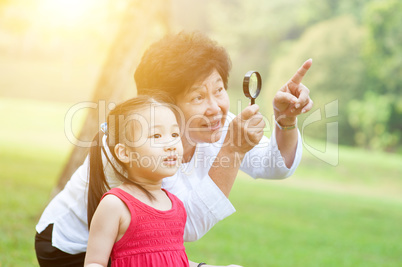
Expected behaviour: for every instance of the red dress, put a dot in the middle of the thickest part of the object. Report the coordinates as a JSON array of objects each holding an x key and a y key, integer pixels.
[{"x": 154, "y": 237}]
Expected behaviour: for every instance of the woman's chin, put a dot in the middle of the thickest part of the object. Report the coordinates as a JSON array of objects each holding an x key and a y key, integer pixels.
[
  {"x": 205, "y": 138},
  {"x": 215, "y": 137}
]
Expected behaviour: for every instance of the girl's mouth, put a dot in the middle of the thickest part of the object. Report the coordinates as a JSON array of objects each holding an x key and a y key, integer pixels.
[{"x": 170, "y": 160}]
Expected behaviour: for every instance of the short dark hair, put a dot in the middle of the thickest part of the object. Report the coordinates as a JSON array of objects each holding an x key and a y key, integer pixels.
[{"x": 174, "y": 63}]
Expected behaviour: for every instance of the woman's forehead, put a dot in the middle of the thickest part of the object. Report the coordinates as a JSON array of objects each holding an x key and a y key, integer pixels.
[{"x": 213, "y": 79}]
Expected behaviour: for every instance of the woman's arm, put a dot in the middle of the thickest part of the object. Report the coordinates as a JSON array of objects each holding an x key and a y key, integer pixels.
[
  {"x": 289, "y": 102},
  {"x": 246, "y": 130},
  {"x": 103, "y": 231}
]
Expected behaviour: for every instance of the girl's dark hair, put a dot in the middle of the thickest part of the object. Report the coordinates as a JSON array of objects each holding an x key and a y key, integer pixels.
[
  {"x": 176, "y": 62},
  {"x": 120, "y": 130}
]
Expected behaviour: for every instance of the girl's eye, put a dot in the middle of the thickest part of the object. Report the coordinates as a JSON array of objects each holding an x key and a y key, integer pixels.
[
  {"x": 220, "y": 89},
  {"x": 175, "y": 135},
  {"x": 157, "y": 136}
]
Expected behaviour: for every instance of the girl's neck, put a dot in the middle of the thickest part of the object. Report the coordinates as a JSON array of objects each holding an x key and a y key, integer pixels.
[
  {"x": 159, "y": 200},
  {"x": 148, "y": 184}
]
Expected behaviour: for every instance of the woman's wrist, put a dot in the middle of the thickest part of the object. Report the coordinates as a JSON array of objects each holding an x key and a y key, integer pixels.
[
  {"x": 286, "y": 127},
  {"x": 231, "y": 152},
  {"x": 284, "y": 121}
]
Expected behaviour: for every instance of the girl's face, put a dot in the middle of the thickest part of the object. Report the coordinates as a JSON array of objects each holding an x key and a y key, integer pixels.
[
  {"x": 157, "y": 150},
  {"x": 204, "y": 107}
]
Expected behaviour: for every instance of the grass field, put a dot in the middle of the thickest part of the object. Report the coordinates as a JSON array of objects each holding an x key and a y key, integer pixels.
[{"x": 347, "y": 215}]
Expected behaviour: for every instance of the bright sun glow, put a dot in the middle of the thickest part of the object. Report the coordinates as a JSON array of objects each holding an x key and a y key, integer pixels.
[{"x": 66, "y": 12}]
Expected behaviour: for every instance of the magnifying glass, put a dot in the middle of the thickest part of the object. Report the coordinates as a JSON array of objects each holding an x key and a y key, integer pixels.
[{"x": 252, "y": 85}]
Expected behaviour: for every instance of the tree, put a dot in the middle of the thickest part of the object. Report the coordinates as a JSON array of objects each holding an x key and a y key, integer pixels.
[
  {"x": 370, "y": 118},
  {"x": 143, "y": 23},
  {"x": 383, "y": 57},
  {"x": 337, "y": 72}
]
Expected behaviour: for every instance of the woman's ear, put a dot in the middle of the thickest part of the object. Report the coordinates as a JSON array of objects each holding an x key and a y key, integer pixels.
[{"x": 121, "y": 153}]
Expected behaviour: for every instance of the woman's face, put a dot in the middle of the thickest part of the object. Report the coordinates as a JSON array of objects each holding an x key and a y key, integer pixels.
[{"x": 204, "y": 108}]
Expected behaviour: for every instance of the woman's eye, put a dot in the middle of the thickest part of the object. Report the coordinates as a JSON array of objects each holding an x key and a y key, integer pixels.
[
  {"x": 157, "y": 136},
  {"x": 219, "y": 91},
  {"x": 197, "y": 98},
  {"x": 175, "y": 135}
]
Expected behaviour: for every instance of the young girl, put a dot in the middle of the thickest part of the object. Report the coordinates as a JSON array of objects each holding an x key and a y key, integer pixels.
[{"x": 137, "y": 223}]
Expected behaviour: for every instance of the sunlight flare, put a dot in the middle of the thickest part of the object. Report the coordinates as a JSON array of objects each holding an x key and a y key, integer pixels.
[{"x": 66, "y": 12}]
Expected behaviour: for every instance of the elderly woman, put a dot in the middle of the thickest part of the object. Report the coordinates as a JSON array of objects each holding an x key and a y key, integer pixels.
[{"x": 193, "y": 71}]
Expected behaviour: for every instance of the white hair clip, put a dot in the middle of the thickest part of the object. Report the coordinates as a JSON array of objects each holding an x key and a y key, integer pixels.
[{"x": 104, "y": 128}]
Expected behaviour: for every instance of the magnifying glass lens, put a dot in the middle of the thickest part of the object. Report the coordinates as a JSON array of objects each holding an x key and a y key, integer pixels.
[{"x": 253, "y": 85}]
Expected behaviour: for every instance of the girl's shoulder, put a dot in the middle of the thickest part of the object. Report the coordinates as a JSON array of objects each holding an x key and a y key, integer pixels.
[
  {"x": 172, "y": 196},
  {"x": 111, "y": 202},
  {"x": 176, "y": 202},
  {"x": 117, "y": 199}
]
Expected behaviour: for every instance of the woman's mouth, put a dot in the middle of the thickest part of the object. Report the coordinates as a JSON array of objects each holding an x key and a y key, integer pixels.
[{"x": 213, "y": 126}]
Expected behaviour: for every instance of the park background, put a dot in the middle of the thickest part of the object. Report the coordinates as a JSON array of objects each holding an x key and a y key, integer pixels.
[{"x": 342, "y": 207}]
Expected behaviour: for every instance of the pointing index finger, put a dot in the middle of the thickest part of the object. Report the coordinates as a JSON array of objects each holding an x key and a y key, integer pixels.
[{"x": 298, "y": 77}]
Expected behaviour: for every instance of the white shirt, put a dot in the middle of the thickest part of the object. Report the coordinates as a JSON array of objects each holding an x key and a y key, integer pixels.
[{"x": 204, "y": 201}]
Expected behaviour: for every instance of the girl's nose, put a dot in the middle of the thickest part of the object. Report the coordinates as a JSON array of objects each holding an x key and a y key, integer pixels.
[{"x": 170, "y": 147}]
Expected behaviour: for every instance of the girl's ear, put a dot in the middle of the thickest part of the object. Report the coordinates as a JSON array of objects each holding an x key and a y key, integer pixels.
[{"x": 121, "y": 153}]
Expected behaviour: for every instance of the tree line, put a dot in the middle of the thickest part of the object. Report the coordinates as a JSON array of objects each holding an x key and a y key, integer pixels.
[{"x": 357, "y": 58}]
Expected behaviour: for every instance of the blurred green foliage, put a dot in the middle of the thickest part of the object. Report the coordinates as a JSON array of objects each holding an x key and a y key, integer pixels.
[
  {"x": 357, "y": 59},
  {"x": 383, "y": 57},
  {"x": 355, "y": 46}
]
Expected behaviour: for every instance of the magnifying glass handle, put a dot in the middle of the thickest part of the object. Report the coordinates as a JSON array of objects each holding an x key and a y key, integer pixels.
[{"x": 252, "y": 101}]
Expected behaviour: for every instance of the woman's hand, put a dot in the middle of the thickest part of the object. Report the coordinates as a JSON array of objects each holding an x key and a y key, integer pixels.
[
  {"x": 245, "y": 130},
  {"x": 293, "y": 98}
]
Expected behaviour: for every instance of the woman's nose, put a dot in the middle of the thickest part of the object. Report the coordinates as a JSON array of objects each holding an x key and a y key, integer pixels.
[{"x": 213, "y": 107}]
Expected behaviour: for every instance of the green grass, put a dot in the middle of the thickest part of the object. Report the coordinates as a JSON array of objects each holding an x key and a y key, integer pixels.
[
  {"x": 344, "y": 215},
  {"x": 279, "y": 225},
  {"x": 32, "y": 151}
]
